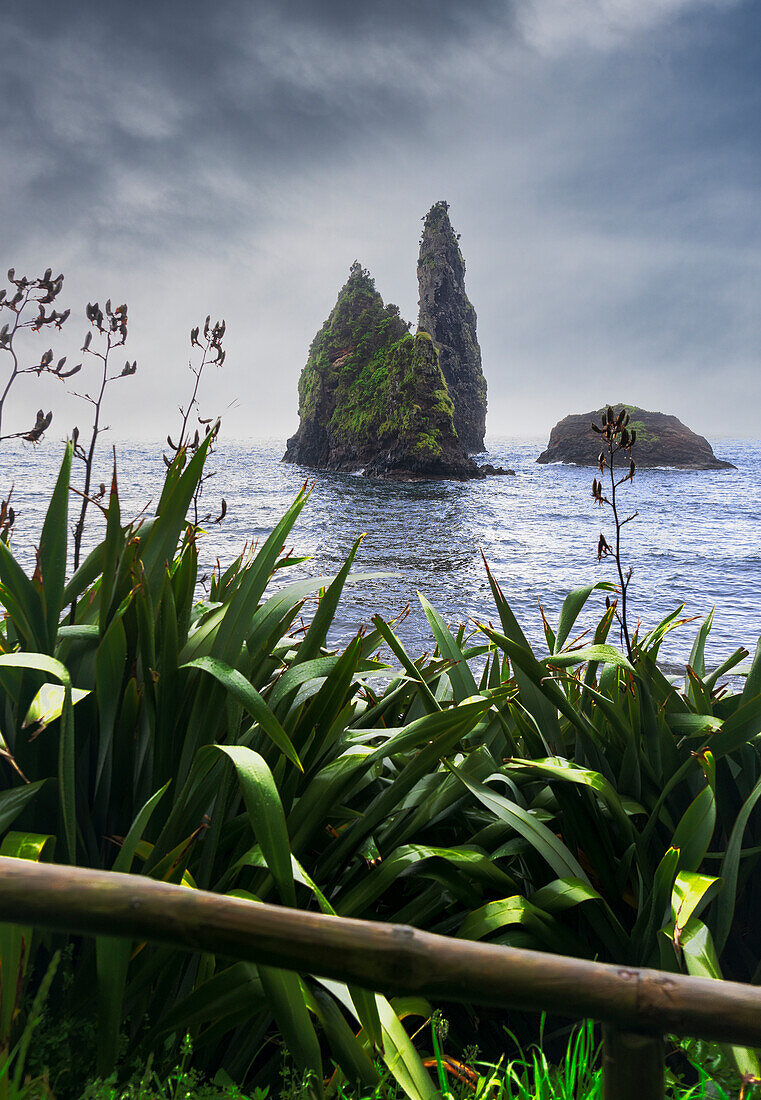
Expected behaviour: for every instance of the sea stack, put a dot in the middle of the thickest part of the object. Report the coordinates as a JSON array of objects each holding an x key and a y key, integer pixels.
[
  {"x": 372, "y": 396},
  {"x": 662, "y": 440},
  {"x": 447, "y": 314}
]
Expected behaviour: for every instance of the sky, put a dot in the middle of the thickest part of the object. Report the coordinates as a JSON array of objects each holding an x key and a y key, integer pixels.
[{"x": 601, "y": 158}]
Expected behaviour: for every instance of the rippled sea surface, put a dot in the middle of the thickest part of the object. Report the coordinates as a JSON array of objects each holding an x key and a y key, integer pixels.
[{"x": 697, "y": 540}]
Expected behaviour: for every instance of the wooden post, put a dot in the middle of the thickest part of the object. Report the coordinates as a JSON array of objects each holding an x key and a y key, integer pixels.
[{"x": 632, "y": 1065}]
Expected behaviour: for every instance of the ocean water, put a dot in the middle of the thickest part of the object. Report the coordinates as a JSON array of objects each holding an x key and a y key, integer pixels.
[{"x": 696, "y": 541}]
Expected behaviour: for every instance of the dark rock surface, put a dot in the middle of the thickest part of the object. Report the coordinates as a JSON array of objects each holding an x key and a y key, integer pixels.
[
  {"x": 447, "y": 314},
  {"x": 487, "y": 470},
  {"x": 419, "y": 440},
  {"x": 662, "y": 440},
  {"x": 372, "y": 396}
]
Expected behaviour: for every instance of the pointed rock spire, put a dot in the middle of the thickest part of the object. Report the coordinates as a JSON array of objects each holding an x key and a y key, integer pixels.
[{"x": 447, "y": 314}]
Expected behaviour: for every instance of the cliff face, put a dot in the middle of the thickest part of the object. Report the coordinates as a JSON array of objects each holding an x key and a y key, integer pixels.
[
  {"x": 418, "y": 437},
  {"x": 447, "y": 314},
  {"x": 662, "y": 440},
  {"x": 373, "y": 397}
]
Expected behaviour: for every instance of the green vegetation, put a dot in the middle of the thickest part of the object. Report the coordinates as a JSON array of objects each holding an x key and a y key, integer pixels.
[
  {"x": 636, "y": 423},
  {"x": 348, "y": 356},
  {"x": 366, "y": 378},
  {"x": 575, "y": 800},
  {"x": 420, "y": 413}
]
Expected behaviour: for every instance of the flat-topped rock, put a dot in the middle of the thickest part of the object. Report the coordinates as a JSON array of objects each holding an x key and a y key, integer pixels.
[{"x": 662, "y": 440}]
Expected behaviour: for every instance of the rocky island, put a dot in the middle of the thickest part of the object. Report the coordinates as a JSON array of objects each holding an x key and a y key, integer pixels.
[
  {"x": 376, "y": 398},
  {"x": 662, "y": 440}
]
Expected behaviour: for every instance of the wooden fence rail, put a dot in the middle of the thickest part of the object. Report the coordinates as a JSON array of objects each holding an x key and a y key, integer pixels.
[{"x": 636, "y": 1006}]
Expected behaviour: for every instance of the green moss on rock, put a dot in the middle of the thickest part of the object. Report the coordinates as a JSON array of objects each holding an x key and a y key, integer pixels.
[{"x": 372, "y": 395}]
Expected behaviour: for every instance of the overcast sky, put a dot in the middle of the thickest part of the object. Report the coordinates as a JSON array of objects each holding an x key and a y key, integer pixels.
[{"x": 602, "y": 161}]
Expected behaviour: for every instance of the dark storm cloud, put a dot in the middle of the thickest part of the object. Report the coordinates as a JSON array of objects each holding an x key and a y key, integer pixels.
[
  {"x": 434, "y": 19},
  {"x": 112, "y": 107},
  {"x": 602, "y": 158},
  {"x": 672, "y": 157}
]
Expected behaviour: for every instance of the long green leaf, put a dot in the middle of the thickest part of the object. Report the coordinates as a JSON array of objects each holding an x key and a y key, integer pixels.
[
  {"x": 66, "y": 763},
  {"x": 241, "y": 690},
  {"x": 158, "y": 546},
  {"x": 286, "y": 1001},
  {"x": 265, "y": 812},
  {"x": 725, "y": 907},
  {"x": 53, "y": 540},
  {"x": 541, "y": 839},
  {"x": 235, "y": 625},
  {"x": 572, "y": 607},
  {"x": 317, "y": 634},
  {"x": 13, "y": 801},
  {"x": 460, "y": 676}
]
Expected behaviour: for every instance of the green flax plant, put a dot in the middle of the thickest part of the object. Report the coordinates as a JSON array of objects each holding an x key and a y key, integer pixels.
[
  {"x": 576, "y": 801},
  {"x": 628, "y": 808},
  {"x": 195, "y": 743}
]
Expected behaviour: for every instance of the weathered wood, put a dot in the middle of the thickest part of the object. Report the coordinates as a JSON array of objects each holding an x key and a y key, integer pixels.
[
  {"x": 632, "y": 1065},
  {"x": 385, "y": 957}
]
